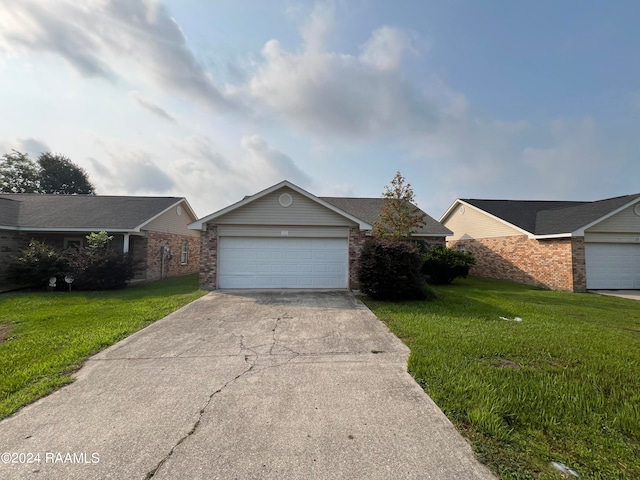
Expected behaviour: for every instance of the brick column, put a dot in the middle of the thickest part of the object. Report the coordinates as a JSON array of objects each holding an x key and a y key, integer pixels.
[
  {"x": 579, "y": 264},
  {"x": 356, "y": 241},
  {"x": 209, "y": 258}
]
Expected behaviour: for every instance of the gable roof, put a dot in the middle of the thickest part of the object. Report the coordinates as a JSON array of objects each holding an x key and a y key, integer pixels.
[
  {"x": 542, "y": 218},
  {"x": 368, "y": 209},
  {"x": 199, "y": 224},
  {"x": 41, "y": 212}
]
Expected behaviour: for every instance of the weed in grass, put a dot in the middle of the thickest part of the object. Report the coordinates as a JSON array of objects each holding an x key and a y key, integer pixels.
[{"x": 562, "y": 385}]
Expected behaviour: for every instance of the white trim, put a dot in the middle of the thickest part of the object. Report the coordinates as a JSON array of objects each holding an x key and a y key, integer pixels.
[
  {"x": 73, "y": 230},
  {"x": 484, "y": 212},
  {"x": 552, "y": 235},
  {"x": 200, "y": 224},
  {"x": 149, "y": 220},
  {"x": 580, "y": 231}
]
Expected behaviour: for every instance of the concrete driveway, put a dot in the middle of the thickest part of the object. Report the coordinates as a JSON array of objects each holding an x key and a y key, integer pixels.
[{"x": 243, "y": 385}]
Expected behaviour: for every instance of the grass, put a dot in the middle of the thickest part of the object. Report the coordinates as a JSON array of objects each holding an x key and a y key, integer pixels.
[
  {"x": 561, "y": 386},
  {"x": 45, "y": 337}
]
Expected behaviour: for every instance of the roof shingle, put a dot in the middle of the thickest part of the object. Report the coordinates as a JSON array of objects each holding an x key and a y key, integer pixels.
[
  {"x": 551, "y": 217},
  {"x": 368, "y": 209},
  {"x": 82, "y": 212}
]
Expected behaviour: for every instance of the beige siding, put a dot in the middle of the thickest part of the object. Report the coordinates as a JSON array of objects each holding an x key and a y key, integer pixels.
[
  {"x": 268, "y": 211},
  {"x": 475, "y": 224},
  {"x": 625, "y": 221},
  {"x": 282, "y": 231},
  {"x": 612, "y": 237},
  {"x": 171, "y": 222}
]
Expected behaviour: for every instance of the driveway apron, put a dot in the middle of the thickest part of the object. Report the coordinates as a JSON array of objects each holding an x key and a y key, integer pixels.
[{"x": 243, "y": 385}]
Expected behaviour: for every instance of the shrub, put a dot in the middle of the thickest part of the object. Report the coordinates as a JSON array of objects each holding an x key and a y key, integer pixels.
[
  {"x": 442, "y": 265},
  {"x": 97, "y": 266},
  {"x": 390, "y": 270},
  {"x": 37, "y": 264}
]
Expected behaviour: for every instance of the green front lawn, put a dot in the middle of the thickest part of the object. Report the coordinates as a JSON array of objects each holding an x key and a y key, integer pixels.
[
  {"x": 562, "y": 385},
  {"x": 45, "y": 337}
]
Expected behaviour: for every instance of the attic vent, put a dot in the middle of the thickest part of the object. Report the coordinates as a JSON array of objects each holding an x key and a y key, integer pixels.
[
  {"x": 636, "y": 209},
  {"x": 461, "y": 210},
  {"x": 285, "y": 200},
  {"x": 179, "y": 210}
]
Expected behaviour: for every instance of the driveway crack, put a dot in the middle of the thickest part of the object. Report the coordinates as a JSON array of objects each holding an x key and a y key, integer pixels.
[{"x": 250, "y": 361}]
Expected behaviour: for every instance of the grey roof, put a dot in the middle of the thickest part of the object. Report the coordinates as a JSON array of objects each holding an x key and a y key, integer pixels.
[
  {"x": 368, "y": 209},
  {"x": 551, "y": 217},
  {"x": 81, "y": 212}
]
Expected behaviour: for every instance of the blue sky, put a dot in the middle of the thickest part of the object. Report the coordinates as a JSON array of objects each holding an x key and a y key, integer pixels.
[{"x": 215, "y": 100}]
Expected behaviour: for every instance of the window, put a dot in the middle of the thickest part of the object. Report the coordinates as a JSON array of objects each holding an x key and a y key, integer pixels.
[
  {"x": 72, "y": 243},
  {"x": 461, "y": 247},
  {"x": 184, "y": 254}
]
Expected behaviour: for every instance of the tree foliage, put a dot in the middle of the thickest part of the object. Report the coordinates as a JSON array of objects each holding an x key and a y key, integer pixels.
[
  {"x": 96, "y": 266},
  {"x": 18, "y": 174},
  {"x": 59, "y": 175},
  {"x": 399, "y": 215},
  {"x": 37, "y": 264},
  {"x": 442, "y": 265},
  {"x": 390, "y": 270},
  {"x": 52, "y": 173}
]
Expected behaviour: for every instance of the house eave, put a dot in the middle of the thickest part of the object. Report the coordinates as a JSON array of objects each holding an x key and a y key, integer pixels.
[
  {"x": 200, "y": 223},
  {"x": 484, "y": 212}
]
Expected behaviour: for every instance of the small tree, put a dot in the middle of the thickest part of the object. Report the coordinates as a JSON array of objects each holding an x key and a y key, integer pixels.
[
  {"x": 59, "y": 175},
  {"x": 18, "y": 174},
  {"x": 398, "y": 216},
  {"x": 390, "y": 270},
  {"x": 442, "y": 265},
  {"x": 99, "y": 267}
]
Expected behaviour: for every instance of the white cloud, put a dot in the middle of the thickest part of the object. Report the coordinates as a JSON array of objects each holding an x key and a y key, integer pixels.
[
  {"x": 152, "y": 107},
  {"x": 386, "y": 47},
  {"x": 117, "y": 40},
  {"x": 130, "y": 173}
]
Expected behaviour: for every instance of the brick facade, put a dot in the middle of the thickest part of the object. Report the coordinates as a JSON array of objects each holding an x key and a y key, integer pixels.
[
  {"x": 356, "y": 242},
  {"x": 209, "y": 258},
  {"x": 556, "y": 264},
  {"x": 172, "y": 266}
]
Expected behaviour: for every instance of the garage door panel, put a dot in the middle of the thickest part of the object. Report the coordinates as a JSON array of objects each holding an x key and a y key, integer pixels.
[
  {"x": 612, "y": 265},
  {"x": 282, "y": 262}
]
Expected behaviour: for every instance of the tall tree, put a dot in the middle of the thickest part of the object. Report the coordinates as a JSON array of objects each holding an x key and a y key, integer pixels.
[
  {"x": 399, "y": 215},
  {"x": 59, "y": 175},
  {"x": 18, "y": 173}
]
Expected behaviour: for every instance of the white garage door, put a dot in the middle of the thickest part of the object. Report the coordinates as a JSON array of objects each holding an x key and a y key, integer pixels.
[
  {"x": 245, "y": 262},
  {"x": 612, "y": 266}
]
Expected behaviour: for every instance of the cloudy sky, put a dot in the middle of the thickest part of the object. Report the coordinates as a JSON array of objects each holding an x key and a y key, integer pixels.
[{"x": 214, "y": 100}]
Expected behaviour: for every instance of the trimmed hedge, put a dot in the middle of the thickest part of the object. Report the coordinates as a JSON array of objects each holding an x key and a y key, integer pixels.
[
  {"x": 390, "y": 270},
  {"x": 442, "y": 265}
]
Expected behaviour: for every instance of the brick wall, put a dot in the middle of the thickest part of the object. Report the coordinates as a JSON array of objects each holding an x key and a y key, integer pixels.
[
  {"x": 209, "y": 258},
  {"x": 172, "y": 267},
  {"x": 356, "y": 242},
  {"x": 579, "y": 265},
  {"x": 545, "y": 263}
]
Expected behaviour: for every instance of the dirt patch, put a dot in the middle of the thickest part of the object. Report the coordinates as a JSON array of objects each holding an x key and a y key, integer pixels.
[
  {"x": 504, "y": 363},
  {"x": 5, "y": 330},
  {"x": 499, "y": 362}
]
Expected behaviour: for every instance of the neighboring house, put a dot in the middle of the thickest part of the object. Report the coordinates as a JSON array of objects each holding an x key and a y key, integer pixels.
[
  {"x": 153, "y": 229},
  {"x": 559, "y": 245},
  {"x": 285, "y": 237}
]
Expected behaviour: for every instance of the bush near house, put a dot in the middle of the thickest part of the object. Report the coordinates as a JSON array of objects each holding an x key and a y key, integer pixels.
[
  {"x": 36, "y": 265},
  {"x": 443, "y": 265},
  {"x": 390, "y": 270},
  {"x": 94, "y": 267}
]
